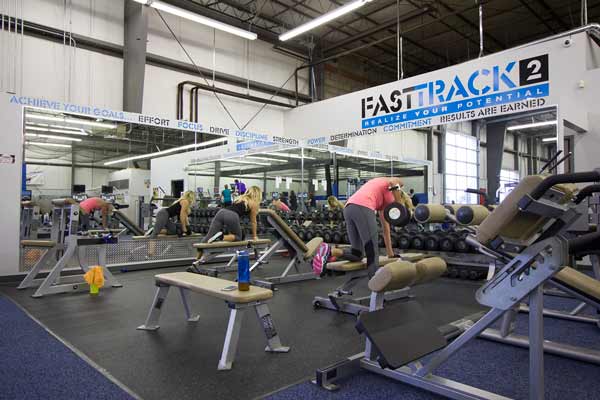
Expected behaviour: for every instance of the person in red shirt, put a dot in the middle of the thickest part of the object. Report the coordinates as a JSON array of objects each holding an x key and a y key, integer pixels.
[
  {"x": 88, "y": 206},
  {"x": 361, "y": 224}
]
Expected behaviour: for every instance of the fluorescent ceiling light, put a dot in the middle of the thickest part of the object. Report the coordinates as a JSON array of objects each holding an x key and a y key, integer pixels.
[
  {"x": 70, "y": 132},
  {"x": 323, "y": 19},
  {"x": 52, "y": 137},
  {"x": 246, "y": 162},
  {"x": 168, "y": 151},
  {"x": 48, "y": 144},
  {"x": 290, "y": 156},
  {"x": 71, "y": 121},
  {"x": 47, "y": 126},
  {"x": 265, "y": 158},
  {"x": 549, "y": 139},
  {"x": 180, "y": 12},
  {"x": 532, "y": 125}
]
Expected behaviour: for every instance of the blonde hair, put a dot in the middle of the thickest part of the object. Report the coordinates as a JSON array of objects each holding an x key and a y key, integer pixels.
[
  {"x": 190, "y": 196},
  {"x": 253, "y": 194},
  {"x": 334, "y": 202}
]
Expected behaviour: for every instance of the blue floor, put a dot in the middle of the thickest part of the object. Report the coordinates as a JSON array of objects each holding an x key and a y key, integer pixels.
[
  {"x": 495, "y": 367},
  {"x": 35, "y": 365}
]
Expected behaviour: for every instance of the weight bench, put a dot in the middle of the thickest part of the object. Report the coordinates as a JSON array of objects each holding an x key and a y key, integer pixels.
[
  {"x": 208, "y": 251},
  {"x": 301, "y": 253},
  {"x": 337, "y": 301},
  {"x": 528, "y": 234},
  {"x": 237, "y": 301}
]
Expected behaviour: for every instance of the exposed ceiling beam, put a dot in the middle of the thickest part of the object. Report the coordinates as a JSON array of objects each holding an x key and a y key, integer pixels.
[
  {"x": 553, "y": 14},
  {"x": 377, "y": 28},
  {"x": 525, "y": 3}
]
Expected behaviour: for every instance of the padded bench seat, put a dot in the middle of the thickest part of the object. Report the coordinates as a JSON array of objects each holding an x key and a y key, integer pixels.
[
  {"x": 163, "y": 236},
  {"x": 348, "y": 266},
  {"x": 237, "y": 303},
  {"x": 224, "y": 245},
  {"x": 579, "y": 281},
  {"x": 213, "y": 287},
  {"x": 38, "y": 243}
]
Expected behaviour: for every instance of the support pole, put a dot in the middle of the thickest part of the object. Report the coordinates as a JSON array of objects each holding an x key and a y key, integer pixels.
[{"x": 134, "y": 55}]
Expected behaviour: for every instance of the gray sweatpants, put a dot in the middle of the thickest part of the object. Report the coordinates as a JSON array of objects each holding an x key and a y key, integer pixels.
[
  {"x": 361, "y": 224},
  {"x": 163, "y": 221},
  {"x": 225, "y": 221}
]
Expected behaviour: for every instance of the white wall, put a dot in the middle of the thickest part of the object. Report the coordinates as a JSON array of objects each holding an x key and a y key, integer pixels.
[{"x": 57, "y": 180}]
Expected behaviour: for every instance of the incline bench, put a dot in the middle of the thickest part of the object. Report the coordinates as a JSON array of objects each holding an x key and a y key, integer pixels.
[
  {"x": 301, "y": 252},
  {"x": 236, "y": 301},
  {"x": 208, "y": 251}
]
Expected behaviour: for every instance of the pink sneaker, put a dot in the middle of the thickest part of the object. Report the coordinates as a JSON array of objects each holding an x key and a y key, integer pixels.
[{"x": 320, "y": 259}]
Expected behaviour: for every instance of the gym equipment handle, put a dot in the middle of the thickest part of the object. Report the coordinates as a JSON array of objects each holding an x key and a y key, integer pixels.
[
  {"x": 585, "y": 243},
  {"x": 577, "y": 177},
  {"x": 585, "y": 192}
]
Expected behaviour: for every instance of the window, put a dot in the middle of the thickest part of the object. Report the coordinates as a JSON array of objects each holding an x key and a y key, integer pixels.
[
  {"x": 508, "y": 180},
  {"x": 461, "y": 168}
]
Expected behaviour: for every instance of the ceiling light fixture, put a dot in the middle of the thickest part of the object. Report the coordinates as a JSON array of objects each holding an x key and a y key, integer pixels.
[
  {"x": 168, "y": 151},
  {"x": 52, "y": 137},
  {"x": 549, "y": 139},
  {"x": 48, "y": 144},
  {"x": 265, "y": 159},
  {"x": 290, "y": 156},
  {"x": 532, "y": 125},
  {"x": 323, "y": 19},
  {"x": 65, "y": 120},
  {"x": 180, "y": 12},
  {"x": 70, "y": 132}
]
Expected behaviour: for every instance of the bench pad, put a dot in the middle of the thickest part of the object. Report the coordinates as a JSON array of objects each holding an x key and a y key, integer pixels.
[
  {"x": 401, "y": 274},
  {"x": 347, "y": 266},
  {"x": 579, "y": 281},
  {"x": 225, "y": 245},
  {"x": 162, "y": 236},
  {"x": 38, "y": 243},
  {"x": 213, "y": 287}
]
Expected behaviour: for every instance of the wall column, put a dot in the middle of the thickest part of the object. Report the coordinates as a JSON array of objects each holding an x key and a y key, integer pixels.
[{"x": 134, "y": 55}]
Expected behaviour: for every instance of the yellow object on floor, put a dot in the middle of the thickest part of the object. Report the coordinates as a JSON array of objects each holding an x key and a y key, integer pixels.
[{"x": 95, "y": 278}]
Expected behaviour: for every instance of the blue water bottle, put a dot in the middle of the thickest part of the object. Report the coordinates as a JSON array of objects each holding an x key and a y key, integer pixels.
[{"x": 243, "y": 270}]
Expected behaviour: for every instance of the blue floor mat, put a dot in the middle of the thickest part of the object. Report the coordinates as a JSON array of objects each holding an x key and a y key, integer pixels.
[{"x": 35, "y": 365}]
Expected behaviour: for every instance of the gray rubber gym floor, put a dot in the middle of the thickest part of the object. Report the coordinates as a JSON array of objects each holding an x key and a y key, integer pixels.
[{"x": 179, "y": 361}]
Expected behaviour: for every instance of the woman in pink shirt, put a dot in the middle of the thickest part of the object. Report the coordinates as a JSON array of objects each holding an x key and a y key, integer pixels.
[
  {"x": 88, "y": 206},
  {"x": 361, "y": 224}
]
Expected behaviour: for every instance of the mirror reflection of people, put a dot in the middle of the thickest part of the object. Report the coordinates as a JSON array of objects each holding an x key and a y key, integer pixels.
[
  {"x": 166, "y": 217},
  {"x": 226, "y": 196},
  {"x": 293, "y": 201},
  {"x": 226, "y": 223},
  {"x": 413, "y": 197},
  {"x": 87, "y": 208},
  {"x": 361, "y": 224},
  {"x": 240, "y": 186},
  {"x": 334, "y": 203},
  {"x": 279, "y": 205}
]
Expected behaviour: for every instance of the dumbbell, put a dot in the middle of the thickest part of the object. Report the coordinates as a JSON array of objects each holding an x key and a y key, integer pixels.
[
  {"x": 345, "y": 238},
  {"x": 302, "y": 233},
  {"x": 309, "y": 234},
  {"x": 417, "y": 242},
  {"x": 447, "y": 242},
  {"x": 453, "y": 273},
  {"x": 432, "y": 243},
  {"x": 460, "y": 244},
  {"x": 327, "y": 236},
  {"x": 337, "y": 236},
  {"x": 403, "y": 241}
]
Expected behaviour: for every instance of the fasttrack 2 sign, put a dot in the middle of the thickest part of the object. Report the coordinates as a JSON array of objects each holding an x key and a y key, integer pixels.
[{"x": 511, "y": 86}]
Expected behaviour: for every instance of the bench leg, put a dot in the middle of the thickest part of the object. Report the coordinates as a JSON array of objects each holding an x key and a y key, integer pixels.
[
  {"x": 54, "y": 274},
  {"x": 151, "y": 323},
  {"x": 108, "y": 276},
  {"x": 264, "y": 318},
  {"x": 28, "y": 281},
  {"x": 185, "y": 300},
  {"x": 232, "y": 337}
]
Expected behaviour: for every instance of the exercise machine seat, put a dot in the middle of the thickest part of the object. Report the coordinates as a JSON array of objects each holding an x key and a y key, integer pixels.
[
  {"x": 314, "y": 244},
  {"x": 62, "y": 202},
  {"x": 509, "y": 222},
  {"x": 163, "y": 236},
  {"x": 213, "y": 287},
  {"x": 579, "y": 282},
  {"x": 38, "y": 243},
  {"x": 347, "y": 266},
  {"x": 224, "y": 245},
  {"x": 401, "y": 274}
]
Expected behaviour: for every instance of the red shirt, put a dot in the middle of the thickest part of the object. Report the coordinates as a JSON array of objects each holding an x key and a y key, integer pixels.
[{"x": 374, "y": 195}]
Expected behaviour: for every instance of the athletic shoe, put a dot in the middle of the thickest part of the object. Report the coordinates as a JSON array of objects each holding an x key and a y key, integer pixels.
[
  {"x": 216, "y": 237},
  {"x": 319, "y": 261}
]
